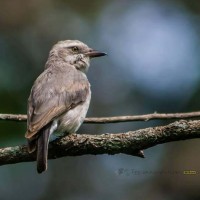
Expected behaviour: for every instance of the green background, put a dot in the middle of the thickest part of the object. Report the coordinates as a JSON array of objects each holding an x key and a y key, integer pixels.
[{"x": 152, "y": 65}]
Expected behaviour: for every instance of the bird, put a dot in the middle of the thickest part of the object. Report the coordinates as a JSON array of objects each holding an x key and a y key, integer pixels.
[{"x": 60, "y": 96}]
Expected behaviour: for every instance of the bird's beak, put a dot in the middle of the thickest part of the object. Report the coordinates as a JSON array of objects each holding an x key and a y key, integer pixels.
[{"x": 94, "y": 53}]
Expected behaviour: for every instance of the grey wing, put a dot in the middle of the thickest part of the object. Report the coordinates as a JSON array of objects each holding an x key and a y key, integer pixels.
[{"x": 52, "y": 95}]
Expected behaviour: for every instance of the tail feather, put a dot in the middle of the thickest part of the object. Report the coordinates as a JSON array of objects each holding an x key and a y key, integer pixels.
[{"x": 42, "y": 148}]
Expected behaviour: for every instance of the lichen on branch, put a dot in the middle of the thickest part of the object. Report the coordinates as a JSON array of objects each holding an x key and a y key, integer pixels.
[{"x": 130, "y": 143}]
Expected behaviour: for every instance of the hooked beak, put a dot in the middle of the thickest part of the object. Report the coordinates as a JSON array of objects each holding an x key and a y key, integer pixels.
[{"x": 94, "y": 53}]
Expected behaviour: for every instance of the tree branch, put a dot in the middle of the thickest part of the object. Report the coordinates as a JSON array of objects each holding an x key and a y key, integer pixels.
[
  {"x": 127, "y": 143},
  {"x": 117, "y": 119}
]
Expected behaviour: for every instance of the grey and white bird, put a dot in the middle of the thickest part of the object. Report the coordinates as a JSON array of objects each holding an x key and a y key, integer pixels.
[{"x": 60, "y": 96}]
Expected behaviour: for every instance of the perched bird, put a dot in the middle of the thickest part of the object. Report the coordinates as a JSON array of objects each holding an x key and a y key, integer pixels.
[{"x": 60, "y": 96}]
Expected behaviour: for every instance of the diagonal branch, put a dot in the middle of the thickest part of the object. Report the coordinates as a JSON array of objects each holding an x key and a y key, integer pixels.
[
  {"x": 127, "y": 143},
  {"x": 117, "y": 119}
]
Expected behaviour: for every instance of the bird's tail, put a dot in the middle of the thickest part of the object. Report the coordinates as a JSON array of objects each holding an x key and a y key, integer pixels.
[{"x": 42, "y": 148}]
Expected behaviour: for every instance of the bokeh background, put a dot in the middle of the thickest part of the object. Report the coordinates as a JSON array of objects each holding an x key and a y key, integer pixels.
[{"x": 153, "y": 65}]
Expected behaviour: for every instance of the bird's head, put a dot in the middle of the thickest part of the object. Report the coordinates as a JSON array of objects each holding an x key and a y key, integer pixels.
[{"x": 75, "y": 53}]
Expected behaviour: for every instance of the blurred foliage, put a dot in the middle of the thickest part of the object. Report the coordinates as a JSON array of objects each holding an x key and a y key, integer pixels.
[{"x": 153, "y": 65}]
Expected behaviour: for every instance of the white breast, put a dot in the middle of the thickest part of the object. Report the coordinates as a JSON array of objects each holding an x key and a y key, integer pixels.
[{"x": 71, "y": 121}]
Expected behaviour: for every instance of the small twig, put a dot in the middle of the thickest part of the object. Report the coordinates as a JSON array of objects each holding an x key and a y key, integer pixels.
[
  {"x": 127, "y": 143},
  {"x": 147, "y": 117},
  {"x": 13, "y": 117},
  {"x": 117, "y": 119}
]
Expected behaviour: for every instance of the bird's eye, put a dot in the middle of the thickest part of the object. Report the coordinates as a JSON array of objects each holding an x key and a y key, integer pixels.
[{"x": 75, "y": 49}]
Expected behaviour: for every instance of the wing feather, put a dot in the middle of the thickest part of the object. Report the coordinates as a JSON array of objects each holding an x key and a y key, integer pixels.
[{"x": 54, "y": 92}]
